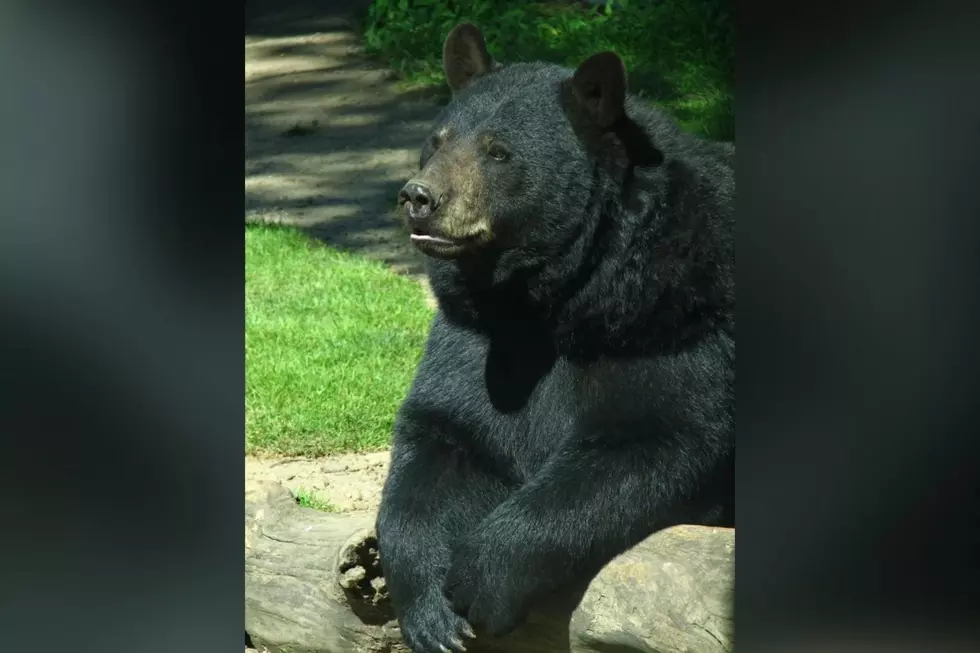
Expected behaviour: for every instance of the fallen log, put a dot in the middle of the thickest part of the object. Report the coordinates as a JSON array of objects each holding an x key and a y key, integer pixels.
[{"x": 313, "y": 584}]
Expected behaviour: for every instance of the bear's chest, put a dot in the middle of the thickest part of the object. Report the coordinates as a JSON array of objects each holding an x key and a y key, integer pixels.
[
  {"x": 515, "y": 403},
  {"x": 509, "y": 403}
]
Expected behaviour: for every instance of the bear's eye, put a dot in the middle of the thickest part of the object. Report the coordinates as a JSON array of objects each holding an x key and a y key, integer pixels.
[{"x": 498, "y": 152}]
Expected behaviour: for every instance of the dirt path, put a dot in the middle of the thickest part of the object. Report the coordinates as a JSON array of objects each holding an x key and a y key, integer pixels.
[
  {"x": 349, "y": 482},
  {"x": 329, "y": 140}
]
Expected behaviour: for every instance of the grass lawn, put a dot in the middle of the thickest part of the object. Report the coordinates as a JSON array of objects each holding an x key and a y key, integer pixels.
[{"x": 331, "y": 345}]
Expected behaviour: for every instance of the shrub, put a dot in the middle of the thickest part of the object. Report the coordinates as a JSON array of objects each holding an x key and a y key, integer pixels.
[{"x": 679, "y": 53}]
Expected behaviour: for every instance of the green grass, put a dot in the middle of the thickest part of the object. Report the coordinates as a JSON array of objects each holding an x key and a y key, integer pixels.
[
  {"x": 331, "y": 345},
  {"x": 680, "y": 54},
  {"x": 309, "y": 499}
]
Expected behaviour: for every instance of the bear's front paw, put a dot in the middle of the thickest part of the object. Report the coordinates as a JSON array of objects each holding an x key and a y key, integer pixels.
[
  {"x": 489, "y": 586},
  {"x": 430, "y": 626}
]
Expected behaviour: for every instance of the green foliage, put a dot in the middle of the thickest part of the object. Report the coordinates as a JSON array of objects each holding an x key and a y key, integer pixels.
[{"x": 679, "y": 53}]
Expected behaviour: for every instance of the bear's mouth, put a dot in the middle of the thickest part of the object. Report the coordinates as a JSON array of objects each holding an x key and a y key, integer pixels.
[
  {"x": 419, "y": 237},
  {"x": 440, "y": 246}
]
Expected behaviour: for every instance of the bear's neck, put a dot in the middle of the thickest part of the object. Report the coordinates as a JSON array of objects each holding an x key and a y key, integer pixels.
[
  {"x": 664, "y": 279},
  {"x": 632, "y": 280}
]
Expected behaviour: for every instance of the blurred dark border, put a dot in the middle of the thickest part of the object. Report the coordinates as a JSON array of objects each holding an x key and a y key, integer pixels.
[
  {"x": 858, "y": 256},
  {"x": 122, "y": 321}
]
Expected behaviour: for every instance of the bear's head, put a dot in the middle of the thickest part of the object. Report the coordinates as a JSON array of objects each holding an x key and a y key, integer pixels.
[{"x": 510, "y": 163}]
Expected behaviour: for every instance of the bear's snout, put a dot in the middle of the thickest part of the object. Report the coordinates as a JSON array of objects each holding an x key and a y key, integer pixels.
[{"x": 420, "y": 201}]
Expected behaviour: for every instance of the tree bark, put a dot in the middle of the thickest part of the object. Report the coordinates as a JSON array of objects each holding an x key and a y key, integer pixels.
[{"x": 313, "y": 584}]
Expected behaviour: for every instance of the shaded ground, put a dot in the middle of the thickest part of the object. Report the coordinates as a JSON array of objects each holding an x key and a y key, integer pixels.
[{"x": 329, "y": 140}]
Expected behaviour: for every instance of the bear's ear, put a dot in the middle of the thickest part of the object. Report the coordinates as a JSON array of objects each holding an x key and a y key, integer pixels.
[
  {"x": 465, "y": 56},
  {"x": 599, "y": 88}
]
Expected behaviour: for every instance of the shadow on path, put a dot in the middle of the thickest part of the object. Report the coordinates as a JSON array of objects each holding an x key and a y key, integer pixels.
[{"x": 329, "y": 139}]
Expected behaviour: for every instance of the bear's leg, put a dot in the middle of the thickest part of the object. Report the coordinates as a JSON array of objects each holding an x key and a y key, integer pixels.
[
  {"x": 584, "y": 507},
  {"x": 433, "y": 495}
]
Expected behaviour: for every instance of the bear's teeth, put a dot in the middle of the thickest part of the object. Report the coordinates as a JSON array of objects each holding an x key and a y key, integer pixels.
[{"x": 430, "y": 239}]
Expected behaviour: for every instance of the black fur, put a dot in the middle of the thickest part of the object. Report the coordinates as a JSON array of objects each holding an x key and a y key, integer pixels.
[{"x": 577, "y": 390}]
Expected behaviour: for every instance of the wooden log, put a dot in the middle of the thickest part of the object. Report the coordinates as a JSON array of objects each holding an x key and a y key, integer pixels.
[{"x": 313, "y": 584}]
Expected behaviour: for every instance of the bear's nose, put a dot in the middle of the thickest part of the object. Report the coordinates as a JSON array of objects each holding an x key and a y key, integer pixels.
[{"x": 422, "y": 202}]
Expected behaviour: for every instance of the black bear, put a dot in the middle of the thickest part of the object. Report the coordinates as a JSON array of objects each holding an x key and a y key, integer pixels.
[{"x": 576, "y": 393}]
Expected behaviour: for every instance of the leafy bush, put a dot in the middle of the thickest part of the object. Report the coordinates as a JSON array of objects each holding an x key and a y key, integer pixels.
[{"x": 679, "y": 53}]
